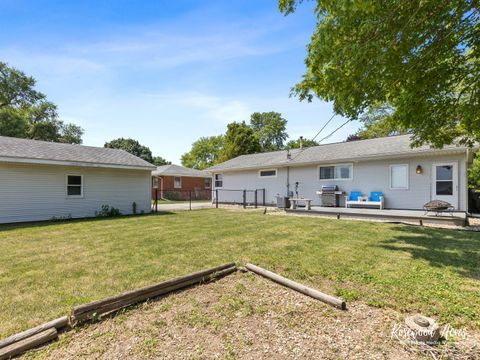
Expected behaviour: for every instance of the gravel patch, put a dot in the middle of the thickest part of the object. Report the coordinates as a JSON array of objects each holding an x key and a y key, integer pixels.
[{"x": 242, "y": 316}]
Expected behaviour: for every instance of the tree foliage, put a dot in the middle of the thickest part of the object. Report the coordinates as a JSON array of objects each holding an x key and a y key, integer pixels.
[
  {"x": 270, "y": 129},
  {"x": 377, "y": 122},
  {"x": 131, "y": 146},
  {"x": 159, "y": 161},
  {"x": 421, "y": 58},
  {"x": 205, "y": 152},
  {"x": 25, "y": 112},
  {"x": 295, "y": 144},
  {"x": 240, "y": 139}
]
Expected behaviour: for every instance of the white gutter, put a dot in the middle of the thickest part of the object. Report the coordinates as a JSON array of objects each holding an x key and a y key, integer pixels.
[{"x": 13, "y": 160}]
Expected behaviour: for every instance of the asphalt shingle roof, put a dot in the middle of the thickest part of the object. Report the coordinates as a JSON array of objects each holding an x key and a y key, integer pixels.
[
  {"x": 343, "y": 151},
  {"x": 27, "y": 150},
  {"x": 177, "y": 170}
]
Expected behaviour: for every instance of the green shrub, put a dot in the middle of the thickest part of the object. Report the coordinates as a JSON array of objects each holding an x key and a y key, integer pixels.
[{"x": 108, "y": 211}]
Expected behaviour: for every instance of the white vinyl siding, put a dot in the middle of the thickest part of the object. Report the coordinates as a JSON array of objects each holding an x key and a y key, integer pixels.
[
  {"x": 399, "y": 177},
  {"x": 368, "y": 176},
  {"x": 38, "y": 192}
]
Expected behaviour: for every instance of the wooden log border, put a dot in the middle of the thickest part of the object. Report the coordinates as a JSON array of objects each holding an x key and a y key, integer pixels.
[
  {"x": 28, "y": 343},
  {"x": 39, "y": 335},
  {"x": 91, "y": 310},
  {"x": 339, "y": 303}
]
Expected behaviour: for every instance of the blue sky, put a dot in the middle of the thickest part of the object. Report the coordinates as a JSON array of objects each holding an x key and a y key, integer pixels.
[{"x": 164, "y": 72}]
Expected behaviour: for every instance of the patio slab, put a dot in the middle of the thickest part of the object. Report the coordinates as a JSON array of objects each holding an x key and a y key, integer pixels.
[{"x": 411, "y": 216}]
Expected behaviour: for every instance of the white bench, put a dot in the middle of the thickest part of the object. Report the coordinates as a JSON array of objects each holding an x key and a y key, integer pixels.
[
  {"x": 364, "y": 201},
  {"x": 294, "y": 203}
]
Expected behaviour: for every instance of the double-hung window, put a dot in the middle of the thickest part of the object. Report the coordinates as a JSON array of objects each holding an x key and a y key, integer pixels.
[
  {"x": 218, "y": 180},
  {"x": 208, "y": 183},
  {"x": 74, "y": 186},
  {"x": 336, "y": 172},
  {"x": 177, "y": 182}
]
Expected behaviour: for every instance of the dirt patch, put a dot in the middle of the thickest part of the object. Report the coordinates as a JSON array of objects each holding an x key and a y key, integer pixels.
[{"x": 241, "y": 316}]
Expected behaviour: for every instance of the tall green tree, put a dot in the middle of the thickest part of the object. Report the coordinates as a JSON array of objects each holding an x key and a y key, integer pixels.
[
  {"x": 421, "y": 58},
  {"x": 25, "y": 112},
  {"x": 205, "y": 152},
  {"x": 270, "y": 128},
  {"x": 131, "y": 146},
  {"x": 240, "y": 139}
]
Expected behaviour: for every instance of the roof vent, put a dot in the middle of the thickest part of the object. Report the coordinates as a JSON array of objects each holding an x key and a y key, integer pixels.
[{"x": 289, "y": 156}]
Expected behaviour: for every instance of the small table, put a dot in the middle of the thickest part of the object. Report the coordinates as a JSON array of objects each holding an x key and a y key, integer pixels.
[{"x": 294, "y": 203}]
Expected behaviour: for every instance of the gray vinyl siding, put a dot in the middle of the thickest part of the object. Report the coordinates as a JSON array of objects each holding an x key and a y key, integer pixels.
[
  {"x": 367, "y": 176},
  {"x": 38, "y": 192}
]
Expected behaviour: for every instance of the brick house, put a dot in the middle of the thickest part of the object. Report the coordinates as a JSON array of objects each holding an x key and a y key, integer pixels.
[{"x": 174, "y": 182}]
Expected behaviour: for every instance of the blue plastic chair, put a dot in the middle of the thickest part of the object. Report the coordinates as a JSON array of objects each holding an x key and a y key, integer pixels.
[
  {"x": 376, "y": 196},
  {"x": 354, "y": 195}
]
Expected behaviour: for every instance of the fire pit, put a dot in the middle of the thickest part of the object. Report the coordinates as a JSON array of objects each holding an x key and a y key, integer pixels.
[{"x": 438, "y": 206}]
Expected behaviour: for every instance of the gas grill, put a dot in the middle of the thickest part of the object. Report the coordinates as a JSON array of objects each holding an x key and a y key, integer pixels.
[{"x": 330, "y": 195}]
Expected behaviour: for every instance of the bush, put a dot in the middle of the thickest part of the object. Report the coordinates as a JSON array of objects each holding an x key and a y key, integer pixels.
[
  {"x": 173, "y": 195},
  {"x": 107, "y": 211}
]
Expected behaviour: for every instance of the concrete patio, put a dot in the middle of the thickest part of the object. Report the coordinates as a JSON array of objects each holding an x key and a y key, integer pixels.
[{"x": 410, "y": 216}]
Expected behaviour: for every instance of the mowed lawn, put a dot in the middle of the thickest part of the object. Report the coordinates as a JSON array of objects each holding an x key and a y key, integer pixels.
[{"x": 47, "y": 268}]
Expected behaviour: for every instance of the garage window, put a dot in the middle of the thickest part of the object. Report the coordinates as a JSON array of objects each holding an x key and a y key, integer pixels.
[
  {"x": 267, "y": 173},
  {"x": 75, "y": 186}
]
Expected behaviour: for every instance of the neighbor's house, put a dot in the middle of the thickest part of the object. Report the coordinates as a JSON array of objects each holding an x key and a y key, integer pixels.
[
  {"x": 176, "y": 182},
  {"x": 407, "y": 177},
  {"x": 45, "y": 180}
]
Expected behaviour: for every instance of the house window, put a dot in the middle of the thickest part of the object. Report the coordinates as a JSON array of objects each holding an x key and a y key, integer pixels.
[
  {"x": 399, "y": 177},
  {"x": 218, "y": 180},
  {"x": 267, "y": 173},
  {"x": 336, "y": 172},
  {"x": 74, "y": 186},
  {"x": 208, "y": 183},
  {"x": 177, "y": 182},
  {"x": 155, "y": 182}
]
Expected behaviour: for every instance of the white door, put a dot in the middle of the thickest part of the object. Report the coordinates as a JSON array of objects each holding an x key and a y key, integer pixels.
[{"x": 445, "y": 182}]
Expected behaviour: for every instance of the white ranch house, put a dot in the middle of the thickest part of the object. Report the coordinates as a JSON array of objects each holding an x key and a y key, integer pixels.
[
  {"x": 406, "y": 177},
  {"x": 45, "y": 180}
]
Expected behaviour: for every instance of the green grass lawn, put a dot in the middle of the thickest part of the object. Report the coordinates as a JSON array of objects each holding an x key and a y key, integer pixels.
[{"x": 47, "y": 268}]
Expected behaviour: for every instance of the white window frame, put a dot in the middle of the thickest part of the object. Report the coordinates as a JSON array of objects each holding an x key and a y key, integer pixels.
[
  {"x": 334, "y": 172},
  {"x": 215, "y": 180},
  {"x": 205, "y": 184},
  {"x": 81, "y": 187},
  {"x": 390, "y": 177},
  {"x": 267, "y": 176},
  {"x": 155, "y": 182},
  {"x": 175, "y": 182}
]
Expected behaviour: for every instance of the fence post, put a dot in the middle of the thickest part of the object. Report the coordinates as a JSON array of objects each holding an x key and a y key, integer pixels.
[
  {"x": 216, "y": 198},
  {"x": 190, "y": 195},
  {"x": 263, "y": 197},
  {"x": 156, "y": 200},
  {"x": 244, "y": 199},
  {"x": 255, "y": 198}
]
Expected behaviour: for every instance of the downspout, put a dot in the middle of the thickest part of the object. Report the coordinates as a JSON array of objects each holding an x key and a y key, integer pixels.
[
  {"x": 288, "y": 181},
  {"x": 467, "y": 202},
  {"x": 161, "y": 187}
]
